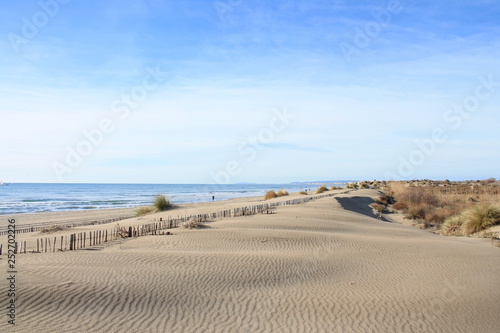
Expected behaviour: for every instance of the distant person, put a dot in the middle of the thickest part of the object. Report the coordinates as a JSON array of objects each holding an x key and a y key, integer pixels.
[{"x": 213, "y": 197}]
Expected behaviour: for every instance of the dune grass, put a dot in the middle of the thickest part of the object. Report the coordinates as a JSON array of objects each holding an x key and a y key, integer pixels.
[
  {"x": 303, "y": 192},
  {"x": 479, "y": 218},
  {"x": 321, "y": 189},
  {"x": 472, "y": 220},
  {"x": 452, "y": 226},
  {"x": 282, "y": 193},
  {"x": 161, "y": 202},
  {"x": 270, "y": 195},
  {"x": 141, "y": 211}
]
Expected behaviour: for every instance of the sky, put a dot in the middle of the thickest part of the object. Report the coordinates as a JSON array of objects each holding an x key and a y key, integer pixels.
[{"x": 248, "y": 91}]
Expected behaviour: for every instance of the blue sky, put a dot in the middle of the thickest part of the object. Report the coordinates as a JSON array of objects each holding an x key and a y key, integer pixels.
[{"x": 248, "y": 91}]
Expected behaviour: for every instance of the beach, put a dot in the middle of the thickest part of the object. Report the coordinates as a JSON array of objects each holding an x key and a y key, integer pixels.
[{"x": 328, "y": 265}]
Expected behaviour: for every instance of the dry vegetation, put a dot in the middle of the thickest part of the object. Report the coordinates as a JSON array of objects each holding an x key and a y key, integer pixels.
[
  {"x": 52, "y": 228},
  {"x": 282, "y": 193},
  {"x": 452, "y": 208},
  {"x": 192, "y": 224},
  {"x": 141, "y": 211},
  {"x": 271, "y": 194},
  {"x": 321, "y": 189},
  {"x": 366, "y": 184},
  {"x": 160, "y": 203}
]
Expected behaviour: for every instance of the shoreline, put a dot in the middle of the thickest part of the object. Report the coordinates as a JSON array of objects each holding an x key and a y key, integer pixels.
[
  {"x": 62, "y": 198},
  {"x": 69, "y": 216}
]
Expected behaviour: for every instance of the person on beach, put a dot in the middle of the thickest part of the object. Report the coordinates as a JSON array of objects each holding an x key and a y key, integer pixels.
[{"x": 213, "y": 197}]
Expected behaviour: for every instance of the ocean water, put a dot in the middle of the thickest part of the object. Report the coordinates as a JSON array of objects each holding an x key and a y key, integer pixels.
[{"x": 34, "y": 198}]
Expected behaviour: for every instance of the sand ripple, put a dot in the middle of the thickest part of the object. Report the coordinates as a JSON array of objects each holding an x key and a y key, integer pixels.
[{"x": 310, "y": 268}]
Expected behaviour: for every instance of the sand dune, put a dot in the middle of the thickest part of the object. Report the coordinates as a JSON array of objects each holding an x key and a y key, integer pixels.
[{"x": 324, "y": 266}]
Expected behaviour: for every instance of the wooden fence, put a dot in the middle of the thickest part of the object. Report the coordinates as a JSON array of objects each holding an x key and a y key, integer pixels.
[
  {"x": 76, "y": 241},
  {"x": 65, "y": 224}
]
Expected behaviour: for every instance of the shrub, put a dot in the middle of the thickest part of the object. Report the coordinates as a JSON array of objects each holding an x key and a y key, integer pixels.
[
  {"x": 377, "y": 207},
  {"x": 270, "y": 195},
  {"x": 400, "y": 205},
  {"x": 321, "y": 189},
  {"x": 384, "y": 199},
  {"x": 191, "y": 224},
  {"x": 303, "y": 192},
  {"x": 479, "y": 217},
  {"x": 416, "y": 211},
  {"x": 282, "y": 193},
  {"x": 161, "y": 202},
  {"x": 452, "y": 226},
  {"x": 52, "y": 228},
  {"x": 438, "y": 215},
  {"x": 141, "y": 211}
]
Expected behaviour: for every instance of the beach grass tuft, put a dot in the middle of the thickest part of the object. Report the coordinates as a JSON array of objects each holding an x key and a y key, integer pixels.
[
  {"x": 321, "y": 189},
  {"x": 282, "y": 193},
  {"x": 141, "y": 211},
  {"x": 479, "y": 218},
  {"x": 452, "y": 226},
  {"x": 161, "y": 203},
  {"x": 270, "y": 195}
]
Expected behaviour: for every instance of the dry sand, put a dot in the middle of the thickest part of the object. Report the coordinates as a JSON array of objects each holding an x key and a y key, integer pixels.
[{"x": 324, "y": 266}]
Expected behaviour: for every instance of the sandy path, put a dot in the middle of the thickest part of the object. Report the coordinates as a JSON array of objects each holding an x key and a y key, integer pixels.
[{"x": 315, "y": 267}]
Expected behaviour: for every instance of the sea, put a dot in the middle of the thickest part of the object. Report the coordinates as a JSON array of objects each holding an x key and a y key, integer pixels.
[{"x": 23, "y": 198}]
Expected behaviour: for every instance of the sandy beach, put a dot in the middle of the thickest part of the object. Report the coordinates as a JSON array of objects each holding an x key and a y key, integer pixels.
[{"x": 325, "y": 266}]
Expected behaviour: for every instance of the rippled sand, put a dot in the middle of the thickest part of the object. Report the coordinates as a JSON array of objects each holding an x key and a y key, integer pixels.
[{"x": 316, "y": 267}]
